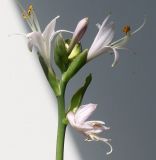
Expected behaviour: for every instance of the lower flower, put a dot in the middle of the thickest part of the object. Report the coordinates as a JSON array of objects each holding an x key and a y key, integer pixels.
[{"x": 90, "y": 129}]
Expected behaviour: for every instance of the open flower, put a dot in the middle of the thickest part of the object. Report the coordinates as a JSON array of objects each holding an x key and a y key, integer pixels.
[
  {"x": 36, "y": 39},
  {"x": 102, "y": 42},
  {"x": 42, "y": 41},
  {"x": 89, "y": 128}
]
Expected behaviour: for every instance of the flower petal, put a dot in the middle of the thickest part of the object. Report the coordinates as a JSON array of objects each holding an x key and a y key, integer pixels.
[
  {"x": 50, "y": 29},
  {"x": 103, "y": 38},
  {"x": 30, "y": 45},
  {"x": 116, "y": 57},
  {"x": 101, "y": 28},
  {"x": 97, "y": 127},
  {"x": 71, "y": 118},
  {"x": 94, "y": 131},
  {"x": 96, "y": 122},
  {"x": 103, "y": 42},
  {"x": 35, "y": 39},
  {"x": 84, "y": 127},
  {"x": 60, "y": 31},
  {"x": 107, "y": 34},
  {"x": 107, "y": 142},
  {"x": 48, "y": 35},
  {"x": 84, "y": 112}
]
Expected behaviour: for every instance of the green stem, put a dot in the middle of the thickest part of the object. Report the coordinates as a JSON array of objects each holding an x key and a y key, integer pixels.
[{"x": 61, "y": 126}]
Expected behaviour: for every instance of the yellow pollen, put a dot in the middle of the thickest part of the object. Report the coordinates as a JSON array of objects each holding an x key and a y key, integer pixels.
[
  {"x": 126, "y": 29},
  {"x": 24, "y": 15},
  {"x": 30, "y": 9},
  {"x": 27, "y": 14}
]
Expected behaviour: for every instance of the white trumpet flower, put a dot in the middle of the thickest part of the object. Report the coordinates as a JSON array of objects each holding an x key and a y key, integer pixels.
[
  {"x": 42, "y": 41},
  {"x": 38, "y": 40},
  {"x": 89, "y": 128},
  {"x": 103, "y": 40}
]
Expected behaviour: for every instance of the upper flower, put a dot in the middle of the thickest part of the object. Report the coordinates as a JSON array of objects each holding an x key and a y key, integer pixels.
[
  {"x": 36, "y": 39},
  {"x": 102, "y": 42},
  {"x": 89, "y": 128},
  {"x": 42, "y": 41}
]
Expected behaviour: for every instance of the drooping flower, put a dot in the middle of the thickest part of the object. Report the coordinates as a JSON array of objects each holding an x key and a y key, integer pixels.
[
  {"x": 90, "y": 129},
  {"x": 38, "y": 40},
  {"x": 103, "y": 40}
]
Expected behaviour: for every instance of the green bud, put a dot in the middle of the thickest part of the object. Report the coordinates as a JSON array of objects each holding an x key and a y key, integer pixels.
[
  {"x": 75, "y": 52},
  {"x": 61, "y": 54}
]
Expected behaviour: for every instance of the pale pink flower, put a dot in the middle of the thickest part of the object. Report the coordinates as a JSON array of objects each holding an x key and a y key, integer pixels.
[
  {"x": 103, "y": 41},
  {"x": 90, "y": 129}
]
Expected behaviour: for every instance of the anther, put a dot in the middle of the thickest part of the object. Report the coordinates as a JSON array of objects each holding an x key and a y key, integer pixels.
[
  {"x": 30, "y": 9},
  {"x": 24, "y": 15},
  {"x": 126, "y": 29}
]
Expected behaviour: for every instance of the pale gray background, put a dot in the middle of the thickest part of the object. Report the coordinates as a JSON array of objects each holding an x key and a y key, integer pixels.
[{"x": 126, "y": 95}]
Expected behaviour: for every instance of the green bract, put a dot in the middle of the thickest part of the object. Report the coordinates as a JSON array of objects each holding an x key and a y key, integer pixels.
[
  {"x": 78, "y": 96},
  {"x": 75, "y": 52},
  {"x": 60, "y": 54},
  {"x": 75, "y": 66},
  {"x": 51, "y": 77}
]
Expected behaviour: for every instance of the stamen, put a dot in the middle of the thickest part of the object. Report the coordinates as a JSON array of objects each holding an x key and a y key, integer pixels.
[
  {"x": 29, "y": 12},
  {"x": 30, "y": 9},
  {"x": 25, "y": 16},
  {"x": 126, "y": 29},
  {"x": 17, "y": 34}
]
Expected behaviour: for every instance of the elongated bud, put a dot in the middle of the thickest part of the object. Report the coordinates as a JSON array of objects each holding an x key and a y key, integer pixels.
[{"x": 78, "y": 33}]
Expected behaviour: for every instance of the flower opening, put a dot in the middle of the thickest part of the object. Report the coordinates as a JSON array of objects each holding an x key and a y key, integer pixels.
[{"x": 103, "y": 40}]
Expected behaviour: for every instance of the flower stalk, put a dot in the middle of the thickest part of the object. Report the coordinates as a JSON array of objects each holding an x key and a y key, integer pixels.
[{"x": 61, "y": 126}]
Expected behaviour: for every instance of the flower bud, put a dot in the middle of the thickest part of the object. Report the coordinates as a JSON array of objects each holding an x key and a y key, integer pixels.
[
  {"x": 60, "y": 53},
  {"x": 75, "y": 51},
  {"x": 78, "y": 33}
]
